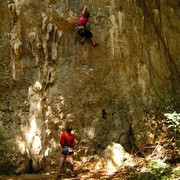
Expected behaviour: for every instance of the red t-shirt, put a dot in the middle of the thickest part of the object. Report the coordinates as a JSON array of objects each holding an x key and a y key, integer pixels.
[
  {"x": 67, "y": 139},
  {"x": 82, "y": 20}
]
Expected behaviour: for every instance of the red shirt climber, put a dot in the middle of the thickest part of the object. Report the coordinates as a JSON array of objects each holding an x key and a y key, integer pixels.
[
  {"x": 67, "y": 139},
  {"x": 82, "y": 20},
  {"x": 82, "y": 27}
]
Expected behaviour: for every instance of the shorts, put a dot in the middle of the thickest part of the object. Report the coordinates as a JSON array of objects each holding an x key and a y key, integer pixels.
[
  {"x": 68, "y": 153},
  {"x": 67, "y": 150},
  {"x": 87, "y": 34}
]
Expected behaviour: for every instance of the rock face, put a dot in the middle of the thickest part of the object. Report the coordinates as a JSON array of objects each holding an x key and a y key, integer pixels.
[
  {"x": 110, "y": 93},
  {"x": 112, "y": 159}
]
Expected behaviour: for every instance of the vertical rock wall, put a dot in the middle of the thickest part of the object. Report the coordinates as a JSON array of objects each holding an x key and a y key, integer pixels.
[{"x": 110, "y": 93}]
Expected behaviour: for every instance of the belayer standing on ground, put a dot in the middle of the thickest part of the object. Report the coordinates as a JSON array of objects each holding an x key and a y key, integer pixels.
[
  {"x": 81, "y": 27},
  {"x": 67, "y": 142}
]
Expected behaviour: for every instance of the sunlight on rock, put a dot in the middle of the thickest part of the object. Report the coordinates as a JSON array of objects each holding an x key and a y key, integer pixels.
[
  {"x": 48, "y": 111},
  {"x": 34, "y": 135},
  {"x": 33, "y": 138},
  {"x": 53, "y": 143},
  {"x": 33, "y": 128},
  {"x": 117, "y": 157},
  {"x": 62, "y": 100},
  {"x": 37, "y": 86},
  {"x": 48, "y": 131},
  {"x": 39, "y": 106},
  {"x": 111, "y": 168},
  {"x": 46, "y": 152},
  {"x": 90, "y": 132},
  {"x": 36, "y": 145},
  {"x": 21, "y": 145},
  {"x": 61, "y": 115},
  {"x": 56, "y": 120},
  {"x": 114, "y": 157},
  {"x": 69, "y": 116}
]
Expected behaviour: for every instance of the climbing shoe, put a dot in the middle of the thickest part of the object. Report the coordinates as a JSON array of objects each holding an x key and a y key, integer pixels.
[
  {"x": 96, "y": 44},
  {"x": 82, "y": 42}
]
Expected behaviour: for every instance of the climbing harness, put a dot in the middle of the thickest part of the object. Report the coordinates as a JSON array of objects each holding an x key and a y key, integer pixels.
[{"x": 79, "y": 28}]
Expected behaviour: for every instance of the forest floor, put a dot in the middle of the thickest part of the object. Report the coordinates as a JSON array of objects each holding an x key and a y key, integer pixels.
[
  {"x": 124, "y": 173},
  {"x": 163, "y": 163},
  {"x": 83, "y": 173}
]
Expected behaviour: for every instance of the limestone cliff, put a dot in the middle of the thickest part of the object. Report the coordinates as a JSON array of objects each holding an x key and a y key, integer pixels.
[{"x": 111, "y": 93}]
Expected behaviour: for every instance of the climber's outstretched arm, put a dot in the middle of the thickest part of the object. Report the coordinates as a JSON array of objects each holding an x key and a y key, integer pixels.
[{"x": 84, "y": 9}]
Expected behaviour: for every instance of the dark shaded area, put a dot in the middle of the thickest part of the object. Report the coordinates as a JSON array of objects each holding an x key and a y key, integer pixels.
[
  {"x": 131, "y": 144},
  {"x": 5, "y": 169},
  {"x": 173, "y": 160},
  {"x": 30, "y": 169},
  {"x": 104, "y": 114}
]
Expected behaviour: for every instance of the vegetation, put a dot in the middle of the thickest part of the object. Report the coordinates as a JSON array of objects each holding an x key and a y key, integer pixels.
[
  {"x": 173, "y": 121},
  {"x": 154, "y": 170},
  {"x": 164, "y": 162}
]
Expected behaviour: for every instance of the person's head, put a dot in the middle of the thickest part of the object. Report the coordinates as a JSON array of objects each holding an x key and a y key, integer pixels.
[
  {"x": 86, "y": 14},
  {"x": 69, "y": 129}
]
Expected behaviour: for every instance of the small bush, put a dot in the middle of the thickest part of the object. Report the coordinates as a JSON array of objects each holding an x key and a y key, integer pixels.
[{"x": 173, "y": 121}]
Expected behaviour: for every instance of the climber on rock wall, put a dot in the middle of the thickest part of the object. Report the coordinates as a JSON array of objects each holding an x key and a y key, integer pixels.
[{"x": 81, "y": 27}]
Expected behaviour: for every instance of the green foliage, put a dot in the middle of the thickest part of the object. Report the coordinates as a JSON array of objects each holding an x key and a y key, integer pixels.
[
  {"x": 132, "y": 170},
  {"x": 173, "y": 121},
  {"x": 176, "y": 171},
  {"x": 154, "y": 164},
  {"x": 154, "y": 170},
  {"x": 158, "y": 168}
]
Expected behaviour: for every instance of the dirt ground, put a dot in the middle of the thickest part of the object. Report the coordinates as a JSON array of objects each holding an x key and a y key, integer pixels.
[
  {"x": 53, "y": 176},
  {"x": 83, "y": 173}
]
